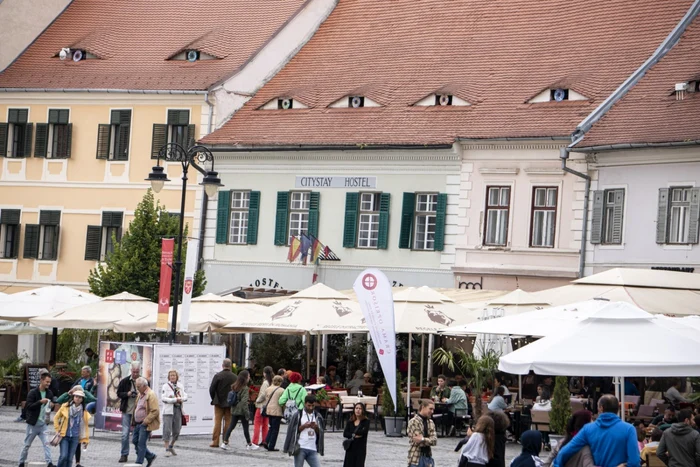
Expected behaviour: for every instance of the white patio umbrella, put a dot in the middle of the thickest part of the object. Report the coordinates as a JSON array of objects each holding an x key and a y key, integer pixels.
[
  {"x": 15, "y": 328},
  {"x": 102, "y": 315},
  {"x": 22, "y": 306}
]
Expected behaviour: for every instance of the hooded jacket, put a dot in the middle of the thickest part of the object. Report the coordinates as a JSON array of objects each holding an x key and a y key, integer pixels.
[
  {"x": 529, "y": 457},
  {"x": 680, "y": 446},
  {"x": 612, "y": 442}
]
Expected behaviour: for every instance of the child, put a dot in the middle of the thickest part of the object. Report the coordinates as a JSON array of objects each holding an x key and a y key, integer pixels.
[
  {"x": 532, "y": 444},
  {"x": 479, "y": 448}
]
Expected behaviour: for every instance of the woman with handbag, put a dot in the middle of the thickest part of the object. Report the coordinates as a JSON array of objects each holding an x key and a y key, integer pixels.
[
  {"x": 173, "y": 396},
  {"x": 273, "y": 411},
  {"x": 355, "y": 434},
  {"x": 260, "y": 422},
  {"x": 71, "y": 425}
]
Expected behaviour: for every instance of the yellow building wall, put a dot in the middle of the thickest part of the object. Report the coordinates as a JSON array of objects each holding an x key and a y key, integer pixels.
[{"x": 83, "y": 186}]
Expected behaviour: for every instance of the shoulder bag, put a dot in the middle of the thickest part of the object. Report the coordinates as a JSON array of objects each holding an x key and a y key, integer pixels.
[
  {"x": 263, "y": 412},
  {"x": 348, "y": 442},
  {"x": 176, "y": 392}
]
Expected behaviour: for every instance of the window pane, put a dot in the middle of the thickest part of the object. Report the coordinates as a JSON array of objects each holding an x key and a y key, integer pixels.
[
  {"x": 608, "y": 220},
  {"x": 48, "y": 245},
  {"x": 505, "y": 196},
  {"x": 367, "y": 202},
  {"x": 537, "y": 228},
  {"x": 298, "y": 224},
  {"x": 432, "y": 203},
  {"x": 300, "y": 200},
  {"x": 551, "y": 197},
  {"x": 238, "y": 231},
  {"x": 369, "y": 231},
  {"x": 496, "y": 227},
  {"x": 240, "y": 199},
  {"x": 421, "y": 227},
  {"x": 540, "y": 197},
  {"x": 10, "y": 231},
  {"x": 549, "y": 229},
  {"x": 493, "y": 196}
]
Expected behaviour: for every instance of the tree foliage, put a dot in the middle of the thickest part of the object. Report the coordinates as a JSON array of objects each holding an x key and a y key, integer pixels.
[
  {"x": 276, "y": 351},
  {"x": 561, "y": 406},
  {"x": 388, "y": 408},
  {"x": 134, "y": 266}
]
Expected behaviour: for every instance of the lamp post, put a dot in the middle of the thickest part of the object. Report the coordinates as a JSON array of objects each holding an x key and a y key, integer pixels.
[{"x": 174, "y": 152}]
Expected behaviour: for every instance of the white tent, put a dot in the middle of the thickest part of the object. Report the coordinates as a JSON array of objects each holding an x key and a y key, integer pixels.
[
  {"x": 544, "y": 322},
  {"x": 604, "y": 344},
  {"x": 22, "y": 306}
]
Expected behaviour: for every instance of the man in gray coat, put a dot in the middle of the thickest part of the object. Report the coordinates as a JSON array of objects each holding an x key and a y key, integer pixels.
[
  {"x": 680, "y": 444},
  {"x": 218, "y": 390},
  {"x": 304, "y": 438}
]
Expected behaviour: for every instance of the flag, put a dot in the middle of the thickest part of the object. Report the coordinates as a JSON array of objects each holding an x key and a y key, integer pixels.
[
  {"x": 166, "y": 274},
  {"x": 316, "y": 251},
  {"x": 373, "y": 291},
  {"x": 294, "y": 249},
  {"x": 188, "y": 285},
  {"x": 305, "y": 247}
]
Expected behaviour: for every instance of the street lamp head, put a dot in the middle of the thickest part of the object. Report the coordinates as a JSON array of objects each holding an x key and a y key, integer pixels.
[
  {"x": 157, "y": 177},
  {"x": 211, "y": 183}
]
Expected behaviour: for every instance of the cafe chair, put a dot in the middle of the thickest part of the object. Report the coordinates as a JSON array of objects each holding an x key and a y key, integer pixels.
[
  {"x": 651, "y": 460},
  {"x": 539, "y": 419},
  {"x": 462, "y": 418},
  {"x": 645, "y": 413}
]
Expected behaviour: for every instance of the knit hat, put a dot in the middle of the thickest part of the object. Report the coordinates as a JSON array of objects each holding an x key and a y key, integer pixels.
[{"x": 79, "y": 392}]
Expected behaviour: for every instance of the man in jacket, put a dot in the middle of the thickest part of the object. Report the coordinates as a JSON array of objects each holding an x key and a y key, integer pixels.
[
  {"x": 126, "y": 391},
  {"x": 680, "y": 444},
  {"x": 305, "y": 429},
  {"x": 146, "y": 420},
  {"x": 421, "y": 433},
  {"x": 37, "y": 405},
  {"x": 612, "y": 441},
  {"x": 86, "y": 381},
  {"x": 218, "y": 391}
]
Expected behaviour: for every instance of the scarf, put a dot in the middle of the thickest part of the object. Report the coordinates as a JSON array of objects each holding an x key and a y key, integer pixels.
[
  {"x": 75, "y": 416},
  {"x": 532, "y": 443},
  {"x": 425, "y": 450}
]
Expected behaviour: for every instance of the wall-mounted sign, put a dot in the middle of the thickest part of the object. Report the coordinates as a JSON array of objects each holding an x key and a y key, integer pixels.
[
  {"x": 348, "y": 182},
  {"x": 266, "y": 282}
]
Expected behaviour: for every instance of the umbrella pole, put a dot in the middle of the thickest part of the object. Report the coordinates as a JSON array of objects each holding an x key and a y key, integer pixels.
[
  {"x": 307, "y": 342},
  {"x": 54, "y": 342},
  {"x": 318, "y": 357},
  {"x": 248, "y": 341},
  {"x": 520, "y": 388},
  {"x": 369, "y": 353},
  {"x": 431, "y": 346},
  {"x": 622, "y": 397},
  {"x": 201, "y": 338},
  {"x": 422, "y": 350},
  {"x": 324, "y": 344},
  {"x": 408, "y": 385}
]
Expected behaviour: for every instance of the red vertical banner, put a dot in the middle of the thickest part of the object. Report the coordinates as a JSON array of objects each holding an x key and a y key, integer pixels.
[{"x": 166, "y": 274}]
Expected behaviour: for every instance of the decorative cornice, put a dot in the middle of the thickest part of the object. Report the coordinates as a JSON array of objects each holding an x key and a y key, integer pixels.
[
  {"x": 328, "y": 265},
  {"x": 517, "y": 271},
  {"x": 499, "y": 171},
  {"x": 340, "y": 155},
  {"x": 543, "y": 171},
  {"x": 643, "y": 157},
  {"x": 511, "y": 146}
]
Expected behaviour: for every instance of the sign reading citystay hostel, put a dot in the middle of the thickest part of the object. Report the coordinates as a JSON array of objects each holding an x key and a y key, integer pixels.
[
  {"x": 166, "y": 273},
  {"x": 373, "y": 291}
]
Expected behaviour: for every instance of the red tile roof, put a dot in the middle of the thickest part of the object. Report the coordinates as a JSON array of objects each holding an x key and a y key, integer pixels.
[
  {"x": 496, "y": 54},
  {"x": 650, "y": 113},
  {"x": 135, "y": 38}
]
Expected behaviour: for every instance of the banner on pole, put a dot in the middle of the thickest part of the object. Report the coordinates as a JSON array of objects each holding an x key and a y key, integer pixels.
[
  {"x": 166, "y": 274},
  {"x": 373, "y": 291},
  {"x": 188, "y": 286}
]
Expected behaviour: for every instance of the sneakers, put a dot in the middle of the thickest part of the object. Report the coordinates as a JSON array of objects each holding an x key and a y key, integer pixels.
[
  {"x": 123, "y": 459},
  {"x": 224, "y": 446},
  {"x": 150, "y": 461},
  {"x": 18, "y": 419},
  {"x": 167, "y": 453},
  {"x": 172, "y": 451},
  {"x": 263, "y": 445},
  {"x": 253, "y": 447}
]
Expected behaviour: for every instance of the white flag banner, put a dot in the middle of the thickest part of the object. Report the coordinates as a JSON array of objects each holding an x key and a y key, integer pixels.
[
  {"x": 373, "y": 291},
  {"x": 188, "y": 286}
]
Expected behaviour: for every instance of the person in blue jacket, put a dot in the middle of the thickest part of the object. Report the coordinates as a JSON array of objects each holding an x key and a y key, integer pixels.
[{"x": 612, "y": 441}]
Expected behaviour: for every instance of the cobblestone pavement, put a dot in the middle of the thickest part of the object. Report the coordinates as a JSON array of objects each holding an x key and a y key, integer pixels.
[{"x": 195, "y": 451}]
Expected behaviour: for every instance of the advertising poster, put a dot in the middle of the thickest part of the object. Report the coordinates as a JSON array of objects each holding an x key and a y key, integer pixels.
[
  {"x": 115, "y": 364},
  {"x": 196, "y": 366}
]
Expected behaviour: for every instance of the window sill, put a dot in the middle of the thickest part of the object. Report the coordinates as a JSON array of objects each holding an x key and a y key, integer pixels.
[
  {"x": 684, "y": 246},
  {"x": 621, "y": 246},
  {"x": 8, "y": 260}
]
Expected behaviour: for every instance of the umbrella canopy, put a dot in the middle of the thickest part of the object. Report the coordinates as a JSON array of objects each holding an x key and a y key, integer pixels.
[
  {"x": 654, "y": 278},
  {"x": 538, "y": 323},
  {"x": 596, "y": 346},
  {"x": 23, "y": 306},
  {"x": 317, "y": 309},
  {"x": 207, "y": 312},
  {"x": 21, "y": 329},
  {"x": 99, "y": 315},
  {"x": 422, "y": 310}
]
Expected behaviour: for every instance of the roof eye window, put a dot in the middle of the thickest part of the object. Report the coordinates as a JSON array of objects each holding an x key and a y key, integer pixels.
[
  {"x": 285, "y": 104},
  {"x": 356, "y": 102},
  {"x": 559, "y": 94},
  {"x": 443, "y": 99},
  {"x": 192, "y": 55}
]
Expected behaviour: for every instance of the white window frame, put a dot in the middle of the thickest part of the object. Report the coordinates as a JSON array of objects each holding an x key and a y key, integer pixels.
[
  {"x": 11, "y": 133},
  {"x": 500, "y": 207},
  {"x": 535, "y": 208},
  {"x": 240, "y": 206},
  {"x": 299, "y": 205},
  {"x": 369, "y": 217},
  {"x": 425, "y": 211},
  {"x": 42, "y": 236},
  {"x": 683, "y": 207}
]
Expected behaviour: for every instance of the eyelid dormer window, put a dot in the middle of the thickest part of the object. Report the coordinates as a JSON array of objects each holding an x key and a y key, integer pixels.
[
  {"x": 354, "y": 102},
  {"x": 283, "y": 103},
  {"x": 557, "y": 95},
  {"x": 441, "y": 99}
]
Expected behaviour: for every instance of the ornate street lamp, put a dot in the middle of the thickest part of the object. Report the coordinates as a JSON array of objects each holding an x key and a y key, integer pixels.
[{"x": 174, "y": 152}]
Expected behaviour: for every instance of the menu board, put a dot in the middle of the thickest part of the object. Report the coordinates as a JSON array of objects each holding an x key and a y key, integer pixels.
[
  {"x": 31, "y": 374},
  {"x": 196, "y": 366}
]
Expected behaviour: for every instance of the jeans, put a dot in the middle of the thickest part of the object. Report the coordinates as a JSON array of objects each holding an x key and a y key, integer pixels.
[
  {"x": 69, "y": 445},
  {"x": 126, "y": 426},
  {"x": 271, "y": 439},
  {"x": 140, "y": 438},
  {"x": 232, "y": 425},
  {"x": 33, "y": 432},
  {"x": 311, "y": 458},
  {"x": 260, "y": 425}
]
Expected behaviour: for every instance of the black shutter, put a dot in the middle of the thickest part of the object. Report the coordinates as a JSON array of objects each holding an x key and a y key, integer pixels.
[
  {"x": 13, "y": 116},
  {"x": 42, "y": 140},
  {"x": 120, "y": 117},
  {"x": 190, "y": 136},
  {"x": 28, "y": 133},
  {"x": 54, "y": 256},
  {"x": 3, "y": 139},
  {"x": 63, "y": 116},
  {"x": 10, "y": 216},
  {"x": 49, "y": 217},
  {"x": 93, "y": 243},
  {"x": 103, "y": 140},
  {"x": 53, "y": 116},
  {"x": 407, "y": 210},
  {"x": 178, "y": 117},
  {"x": 160, "y": 139},
  {"x": 31, "y": 241},
  {"x": 69, "y": 141},
  {"x": 121, "y": 151},
  {"x": 18, "y": 231}
]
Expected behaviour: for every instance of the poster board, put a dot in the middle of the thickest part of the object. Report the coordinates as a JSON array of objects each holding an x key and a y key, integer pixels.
[
  {"x": 31, "y": 376},
  {"x": 115, "y": 359},
  {"x": 196, "y": 366}
]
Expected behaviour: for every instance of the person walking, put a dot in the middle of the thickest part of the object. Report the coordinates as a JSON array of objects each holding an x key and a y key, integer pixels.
[
  {"x": 480, "y": 445},
  {"x": 274, "y": 412},
  {"x": 260, "y": 422},
  {"x": 421, "y": 433},
  {"x": 126, "y": 391},
  {"x": 355, "y": 435},
  {"x": 239, "y": 410},
  {"x": 501, "y": 422},
  {"x": 88, "y": 400},
  {"x": 146, "y": 420},
  {"x": 71, "y": 423},
  {"x": 218, "y": 391},
  {"x": 293, "y": 397},
  {"x": 304, "y": 438},
  {"x": 612, "y": 441},
  {"x": 37, "y": 406},
  {"x": 680, "y": 444},
  {"x": 173, "y": 396}
]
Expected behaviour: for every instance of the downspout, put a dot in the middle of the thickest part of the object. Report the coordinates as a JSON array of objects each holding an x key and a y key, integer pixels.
[
  {"x": 205, "y": 198},
  {"x": 564, "y": 155}
]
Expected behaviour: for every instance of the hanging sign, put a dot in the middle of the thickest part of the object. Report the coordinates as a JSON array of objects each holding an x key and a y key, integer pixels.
[
  {"x": 190, "y": 267},
  {"x": 166, "y": 273}
]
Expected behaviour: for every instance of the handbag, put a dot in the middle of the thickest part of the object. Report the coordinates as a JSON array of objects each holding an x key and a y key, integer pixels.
[
  {"x": 184, "y": 419},
  {"x": 263, "y": 412},
  {"x": 348, "y": 442},
  {"x": 426, "y": 461},
  {"x": 56, "y": 440}
]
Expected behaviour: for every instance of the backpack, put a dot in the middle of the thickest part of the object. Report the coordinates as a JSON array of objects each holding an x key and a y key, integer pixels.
[
  {"x": 290, "y": 407},
  {"x": 232, "y": 398}
]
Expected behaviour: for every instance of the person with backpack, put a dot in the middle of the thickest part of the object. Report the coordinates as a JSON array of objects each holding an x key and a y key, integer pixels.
[
  {"x": 238, "y": 400},
  {"x": 292, "y": 399}
]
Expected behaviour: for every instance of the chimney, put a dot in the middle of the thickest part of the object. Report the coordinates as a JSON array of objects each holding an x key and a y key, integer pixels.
[{"x": 681, "y": 89}]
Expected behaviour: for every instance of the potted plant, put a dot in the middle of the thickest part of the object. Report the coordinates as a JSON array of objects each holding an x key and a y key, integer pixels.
[
  {"x": 561, "y": 408},
  {"x": 394, "y": 416},
  {"x": 322, "y": 398}
]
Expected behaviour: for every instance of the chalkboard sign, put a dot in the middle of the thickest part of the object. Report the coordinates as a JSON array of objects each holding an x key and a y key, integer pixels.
[{"x": 31, "y": 375}]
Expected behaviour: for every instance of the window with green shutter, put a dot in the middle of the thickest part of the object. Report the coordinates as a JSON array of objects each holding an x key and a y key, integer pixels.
[
  {"x": 16, "y": 135},
  {"x": 678, "y": 215},
  {"x": 314, "y": 208},
  {"x": 350, "y": 228},
  {"x": 222, "y": 212},
  {"x": 407, "y": 212},
  {"x": 237, "y": 217},
  {"x": 55, "y": 140},
  {"x": 10, "y": 233},
  {"x": 282, "y": 218},
  {"x": 177, "y": 130},
  {"x": 384, "y": 209},
  {"x": 607, "y": 216},
  {"x": 100, "y": 239},
  {"x": 49, "y": 222},
  {"x": 253, "y": 216}
]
